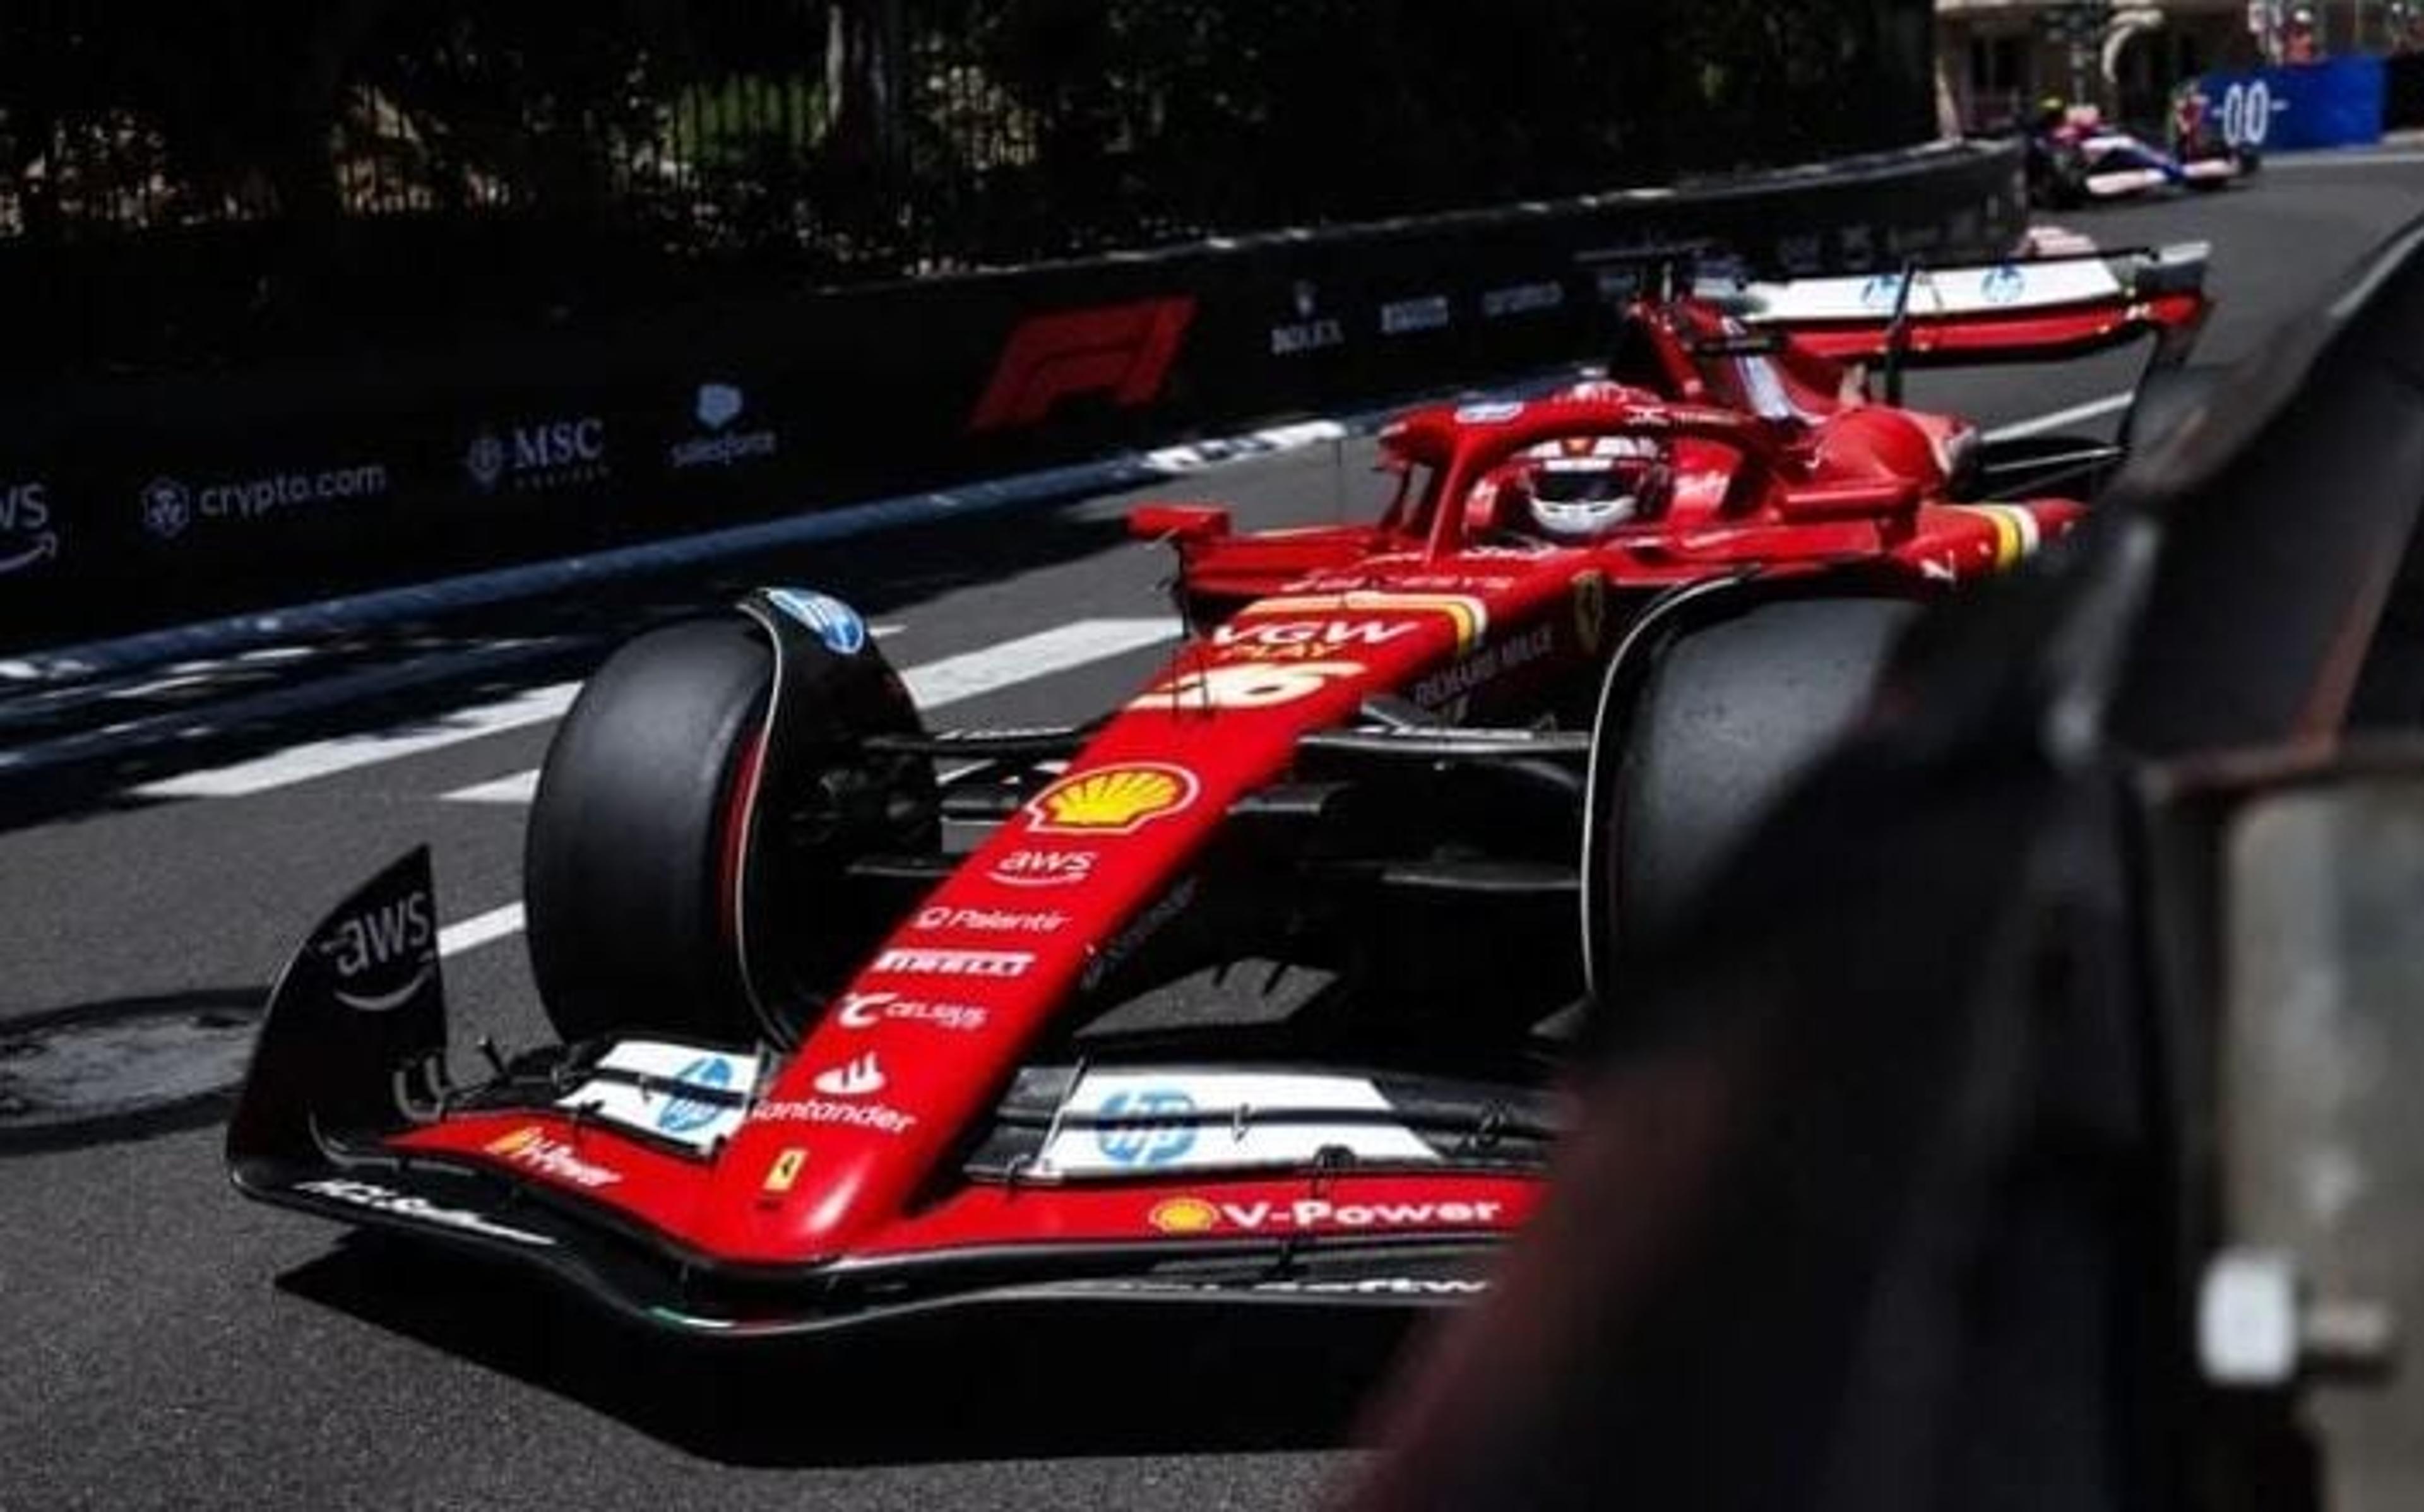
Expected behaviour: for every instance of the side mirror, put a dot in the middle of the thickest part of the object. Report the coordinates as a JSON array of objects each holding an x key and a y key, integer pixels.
[
  {"x": 1863, "y": 501},
  {"x": 1183, "y": 523}
]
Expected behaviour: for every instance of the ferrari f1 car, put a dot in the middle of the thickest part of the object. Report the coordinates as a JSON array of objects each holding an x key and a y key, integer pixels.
[{"x": 1257, "y": 988}]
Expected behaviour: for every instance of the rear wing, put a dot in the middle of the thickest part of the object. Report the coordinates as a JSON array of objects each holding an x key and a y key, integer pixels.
[{"x": 2027, "y": 310}]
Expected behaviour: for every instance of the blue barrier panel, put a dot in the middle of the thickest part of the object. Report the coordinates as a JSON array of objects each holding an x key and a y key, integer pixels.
[{"x": 2298, "y": 105}]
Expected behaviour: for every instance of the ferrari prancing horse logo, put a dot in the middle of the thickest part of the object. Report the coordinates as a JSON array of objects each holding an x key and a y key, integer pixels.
[{"x": 1591, "y": 611}]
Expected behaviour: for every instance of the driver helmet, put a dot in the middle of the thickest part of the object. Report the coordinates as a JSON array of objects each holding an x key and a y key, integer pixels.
[{"x": 1580, "y": 487}]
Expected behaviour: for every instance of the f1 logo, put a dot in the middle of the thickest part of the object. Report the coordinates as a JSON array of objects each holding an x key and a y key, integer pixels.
[{"x": 1121, "y": 350}]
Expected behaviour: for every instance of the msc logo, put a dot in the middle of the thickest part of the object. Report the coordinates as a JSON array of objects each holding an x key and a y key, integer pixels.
[
  {"x": 539, "y": 455},
  {"x": 1114, "y": 799},
  {"x": 1123, "y": 351},
  {"x": 688, "y": 1115},
  {"x": 1148, "y": 1128}
]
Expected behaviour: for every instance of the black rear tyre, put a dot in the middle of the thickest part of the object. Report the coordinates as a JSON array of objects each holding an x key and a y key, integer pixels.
[{"x": 1700, "y": 737}]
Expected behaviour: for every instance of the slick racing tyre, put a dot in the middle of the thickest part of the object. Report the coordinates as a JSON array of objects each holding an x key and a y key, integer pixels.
[
  {"x": 637, "y": 834},
  {"x": 1698, "y": 738}
]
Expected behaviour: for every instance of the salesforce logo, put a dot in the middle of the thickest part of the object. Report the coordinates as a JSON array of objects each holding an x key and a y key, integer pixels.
[{"x": 687, "y": 1115}]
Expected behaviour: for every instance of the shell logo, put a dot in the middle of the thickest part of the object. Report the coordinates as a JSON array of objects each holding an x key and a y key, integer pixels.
[
  {"x": 1184, "y": 1214},
  {"x": 1113, "y": 800},
  {"x": 522, "y": 1138}
]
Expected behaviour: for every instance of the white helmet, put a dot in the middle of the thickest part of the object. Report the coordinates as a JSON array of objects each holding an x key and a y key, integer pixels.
[{"x": 1579, "y": 489}]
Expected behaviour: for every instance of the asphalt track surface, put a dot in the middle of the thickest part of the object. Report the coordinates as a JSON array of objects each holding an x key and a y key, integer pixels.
[{"x": 169, "y": 1344}]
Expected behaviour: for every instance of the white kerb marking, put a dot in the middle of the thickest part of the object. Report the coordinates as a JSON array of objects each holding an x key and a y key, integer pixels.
[
  {"x": 322, "y": 759},
  {"x": 950, "y": 680}
]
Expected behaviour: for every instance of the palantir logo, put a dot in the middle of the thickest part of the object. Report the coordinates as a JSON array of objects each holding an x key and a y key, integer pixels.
[
  {"x": 1148, "y": 1128},
  {"x": 688, "y": 1115},
  {"x": 167, "y": 508}
]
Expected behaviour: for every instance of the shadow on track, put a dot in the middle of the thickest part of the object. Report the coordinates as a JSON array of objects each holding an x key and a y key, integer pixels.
[{"x": 1024, "y": 1382}]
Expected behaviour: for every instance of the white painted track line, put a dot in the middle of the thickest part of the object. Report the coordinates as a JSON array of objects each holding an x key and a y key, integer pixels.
[
  {"x": 479, "y": 930},
  {"x": 949, "y": 680},
  {"x": 345, "y": 753},
  {"x": 517, "y": 787},
  {"x": 938, "y": 682},
  {"x": 974, "y": 674}
]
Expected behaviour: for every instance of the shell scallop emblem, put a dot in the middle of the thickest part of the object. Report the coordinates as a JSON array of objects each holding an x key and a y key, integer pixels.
[
  {"x": 1184, "y": 1214},
  {"x": 1119, "y": 799}
]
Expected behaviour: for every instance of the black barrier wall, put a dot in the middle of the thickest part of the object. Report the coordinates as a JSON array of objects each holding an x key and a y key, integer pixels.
[{"x": 126, "y": 503}]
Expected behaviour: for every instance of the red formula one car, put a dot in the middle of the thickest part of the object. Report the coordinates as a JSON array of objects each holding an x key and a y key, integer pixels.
[{"x": 1257, "y": 988}]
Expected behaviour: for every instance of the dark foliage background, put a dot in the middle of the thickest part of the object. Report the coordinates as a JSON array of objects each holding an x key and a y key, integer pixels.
[{"x": 209, "y": 180}]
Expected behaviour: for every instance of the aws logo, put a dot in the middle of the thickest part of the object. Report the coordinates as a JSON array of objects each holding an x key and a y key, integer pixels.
[{"x": 369, "y": 947}]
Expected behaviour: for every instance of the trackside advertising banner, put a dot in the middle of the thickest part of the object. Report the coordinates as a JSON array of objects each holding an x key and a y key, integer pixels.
[
  {"x": 2300, "y": 106},
  {"x": 132, "y": 502}
]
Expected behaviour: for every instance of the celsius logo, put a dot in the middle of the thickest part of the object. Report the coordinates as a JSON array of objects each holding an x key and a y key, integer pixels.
[
  {"x": 365, "y": 943},
  {"x": 688, "y": 1115},
  {"x": 25, "y": 536},
  {"x": 1152, "y": 1127},
  {"x": 864, "y": 1011},
  {"x": 862, "y": 1077},
  {"x": 547, "y": 454}
]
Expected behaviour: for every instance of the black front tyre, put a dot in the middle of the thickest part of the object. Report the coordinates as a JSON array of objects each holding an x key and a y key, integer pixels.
[{"x": 638, "y": 834}]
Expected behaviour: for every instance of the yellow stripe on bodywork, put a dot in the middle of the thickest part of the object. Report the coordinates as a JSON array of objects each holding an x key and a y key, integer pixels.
[{"x": 2017, "y": 534}]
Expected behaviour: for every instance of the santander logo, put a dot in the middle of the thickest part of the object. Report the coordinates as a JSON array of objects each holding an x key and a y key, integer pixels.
[{"x": 861, "y": 1077}]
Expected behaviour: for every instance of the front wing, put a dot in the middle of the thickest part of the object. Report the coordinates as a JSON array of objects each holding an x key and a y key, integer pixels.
[{"x": 597, "y": 1166}]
